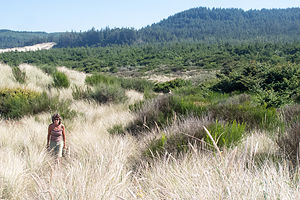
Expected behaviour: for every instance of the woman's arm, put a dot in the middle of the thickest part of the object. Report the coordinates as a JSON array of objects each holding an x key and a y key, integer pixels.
[
  {"x": 64, "y": 135},
  {"x": 48, "y": 137}
]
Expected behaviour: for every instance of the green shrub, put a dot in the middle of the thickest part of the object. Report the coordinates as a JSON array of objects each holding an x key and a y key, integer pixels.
[
  {"x": 254, "y": 116},
  {"x": 19, "y": 75},
  {"x": 184, "y": 106},
  {"x": 178, "y": 138},
  {"x": 48, "y": 69},
  {"x": 16, "y": 103},
  {"x": 127, "y": 83},
  {"x": 166, "y": 87},
  {"x": 104, "y": 93},
  {"x": 140, "y": 85},
  {"x": 63, "y": 107},
  {"x": 60, "y": 80},
  {"x": 275, "y": 85},
  {"x": 161, "y": 111},
  {"x": 270, "y": 98},
  {"x": 151, "y": 113},
  {"x": 226, "y": 135},
  {"x": 96, "y": 79}
]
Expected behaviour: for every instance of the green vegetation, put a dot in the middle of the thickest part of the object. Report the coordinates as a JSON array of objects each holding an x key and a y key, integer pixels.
[
  {"x": 60, "y": 80},
  {"x": 226, "y": 135},
  {"x": 178, "y": 141},
  {"x": 19, "y": 75},
  {"x": 16, "y": 103},
  {"x": 158, "y": 58},
  {"x": 166, "y": 87},
  {"x": 137, "y": 84},
  {"x": 116, "y": 130},
  {"x": 253, "y": 82},
  {"x": 104, "y": 93}
]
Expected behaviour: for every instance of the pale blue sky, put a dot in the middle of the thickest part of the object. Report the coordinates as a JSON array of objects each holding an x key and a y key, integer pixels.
[{"x": 76, "y": 15}]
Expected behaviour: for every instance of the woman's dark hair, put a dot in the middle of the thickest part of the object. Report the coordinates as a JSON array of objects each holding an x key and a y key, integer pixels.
[{"x": 56, "y": 116}]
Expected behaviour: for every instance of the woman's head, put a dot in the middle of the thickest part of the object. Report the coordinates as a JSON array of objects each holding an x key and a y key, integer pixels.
[{"x": 56, "y": 117}]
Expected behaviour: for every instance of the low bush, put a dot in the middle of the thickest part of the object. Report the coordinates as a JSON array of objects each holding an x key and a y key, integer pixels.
[
  {"x": 19, "y": 75},
  {"x": 104, "y": 93},
  {"x": 16, "y": 103},
  {"x": 63, "y": 107},
  {"x": 151, "y": 113},
  {"x": 176, "y": 138},
  {"x": 166, "y": 87},
  {"x": 60, "y": 80},
  {"x": 179, "y": 137},
  {"x": 270, "y": 98},
  {"x": 96, "y": 79},
  {"x": 139, "y": 85},
  {"x": 275, "y": 85},
  {"x": 161, "y": 111},
  {"x": 254, "y": 116},
  {"x": 226, "y": 134},
  {"x": 48, "y": 69}
]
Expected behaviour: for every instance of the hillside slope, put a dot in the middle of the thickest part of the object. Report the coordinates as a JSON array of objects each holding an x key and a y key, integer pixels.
[
  {"x": 197, "y": 24},
  {"x": 100, "y": 165}
]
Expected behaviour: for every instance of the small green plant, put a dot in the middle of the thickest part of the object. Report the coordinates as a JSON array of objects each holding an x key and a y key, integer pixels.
[
  {"x": 156, "y": 147},
  {"x": 116, "y": 130},
  {"x": 226, "y": 135},
  {"x": 19, "y": 75},
  {"x": 60, "y": 80}
]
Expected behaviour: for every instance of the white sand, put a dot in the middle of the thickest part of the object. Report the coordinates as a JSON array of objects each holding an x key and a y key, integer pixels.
[{"x": 42, "y": 46}]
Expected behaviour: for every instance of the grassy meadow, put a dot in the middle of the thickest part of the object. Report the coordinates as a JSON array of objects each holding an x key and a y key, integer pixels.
[{"x": 126, "y": 141}]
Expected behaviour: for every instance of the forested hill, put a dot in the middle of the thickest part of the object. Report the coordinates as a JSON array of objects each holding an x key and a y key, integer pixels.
[
  {"x": 224, "y": 24},
  {"x": 197, "y": 24},
  {"x": 9, "y": 39}
]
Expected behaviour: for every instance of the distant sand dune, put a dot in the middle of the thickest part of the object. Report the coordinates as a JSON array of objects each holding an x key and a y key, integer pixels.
[{"x": 35, "y": 47}]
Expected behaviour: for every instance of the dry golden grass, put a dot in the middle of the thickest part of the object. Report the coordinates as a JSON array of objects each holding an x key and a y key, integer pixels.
[
  {"x": 7, "y": 79},
  {"x": 99, "y": 164}
]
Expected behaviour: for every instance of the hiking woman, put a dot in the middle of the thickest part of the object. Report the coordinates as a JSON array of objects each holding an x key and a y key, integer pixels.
[{"x": 56, "y": 139}]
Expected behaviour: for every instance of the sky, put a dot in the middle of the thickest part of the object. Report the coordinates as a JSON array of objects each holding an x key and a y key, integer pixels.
[{"x": 82, "y": 15}]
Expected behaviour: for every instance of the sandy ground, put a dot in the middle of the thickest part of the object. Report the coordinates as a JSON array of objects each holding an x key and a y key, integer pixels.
[{"x": 35, "y": 47}]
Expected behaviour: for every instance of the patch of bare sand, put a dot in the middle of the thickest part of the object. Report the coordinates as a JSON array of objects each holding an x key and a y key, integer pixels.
[
  {"x": 36, "y": 47},
  {"x": 161, "y": 78}
]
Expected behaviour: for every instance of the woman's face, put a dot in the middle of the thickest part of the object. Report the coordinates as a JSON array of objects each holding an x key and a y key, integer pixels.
[{"x": 56, "y": 121}]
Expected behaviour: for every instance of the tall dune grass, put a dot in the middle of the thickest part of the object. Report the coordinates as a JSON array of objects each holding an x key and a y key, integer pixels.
[{"x": 99, "y": 165}]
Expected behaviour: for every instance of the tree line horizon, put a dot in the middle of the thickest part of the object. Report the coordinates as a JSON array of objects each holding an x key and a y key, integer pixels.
[{"x": 194, "y": 25}]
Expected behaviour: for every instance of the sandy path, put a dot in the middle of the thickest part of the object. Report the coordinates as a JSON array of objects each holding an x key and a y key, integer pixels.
[{"x": 35, "y": 47}]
